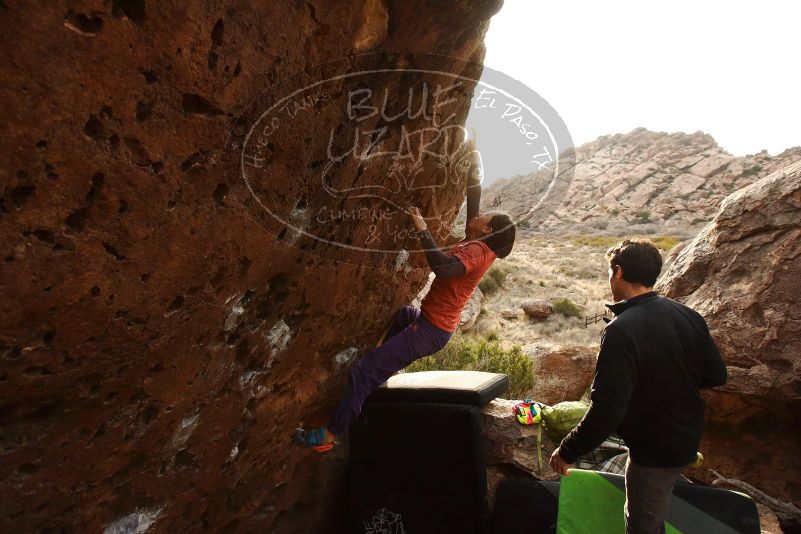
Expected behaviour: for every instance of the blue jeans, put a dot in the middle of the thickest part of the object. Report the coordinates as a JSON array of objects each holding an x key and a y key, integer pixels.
[{"x": 410, "y": 337}]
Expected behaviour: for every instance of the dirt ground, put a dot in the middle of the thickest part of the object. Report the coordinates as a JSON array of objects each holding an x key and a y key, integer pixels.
[{"x": 547, "y": 267}]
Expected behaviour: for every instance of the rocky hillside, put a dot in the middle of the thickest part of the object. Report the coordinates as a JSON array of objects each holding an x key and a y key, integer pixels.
[
  {"x": 649, "y": 181},
  {"x": 161, "y": 331}
]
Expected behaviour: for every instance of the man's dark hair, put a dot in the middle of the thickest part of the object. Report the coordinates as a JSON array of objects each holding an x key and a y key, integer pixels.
[
  {"x": 503, "y": 234},
  {"x": 639, "y": 258}
]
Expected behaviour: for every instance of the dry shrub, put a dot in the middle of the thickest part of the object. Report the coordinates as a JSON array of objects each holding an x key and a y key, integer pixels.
[{"x": 483, "y": 354}]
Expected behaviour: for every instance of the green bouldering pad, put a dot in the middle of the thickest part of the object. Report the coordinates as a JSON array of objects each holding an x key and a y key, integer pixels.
[{"x": 591, "y": 502}]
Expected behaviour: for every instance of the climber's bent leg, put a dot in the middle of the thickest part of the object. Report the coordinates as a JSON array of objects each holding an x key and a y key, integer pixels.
[{"x": 418, "y": 339}]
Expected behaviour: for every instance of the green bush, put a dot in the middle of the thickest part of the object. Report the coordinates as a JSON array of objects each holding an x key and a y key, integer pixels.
[
  {"x": 483, "y": 355},
  {"x": 752, "y": 170},
  {"x": 596, "y": 240},
  {"x": 566, "y": 307},
  {"x": 488, "y": 285},
  {"x": 665, "y": 242},
  {"x": 497, "y": 274},
  {"x": 525, "y": 223},
  {"x": 642, "y": 217},
  {"x": 493, "y": 280}
]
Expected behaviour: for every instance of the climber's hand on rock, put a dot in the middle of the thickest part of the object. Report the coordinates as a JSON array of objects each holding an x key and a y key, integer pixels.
[
  {"x": 471, "y": 140},
  {"x": 417, "y": 219},
  {"x": 558, "y": 464}
]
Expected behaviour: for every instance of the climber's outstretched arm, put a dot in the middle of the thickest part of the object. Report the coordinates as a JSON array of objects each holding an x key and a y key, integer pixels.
[
  {"x": 473, "y": 179},
  {"x": 442, "y": 265}
]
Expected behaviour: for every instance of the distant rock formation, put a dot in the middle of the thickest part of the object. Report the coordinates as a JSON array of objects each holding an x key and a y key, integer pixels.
[
  {"x": 666, "y": 182},
  {"x": 743, "y": 274},
  {"x": 161, "y": 334}
]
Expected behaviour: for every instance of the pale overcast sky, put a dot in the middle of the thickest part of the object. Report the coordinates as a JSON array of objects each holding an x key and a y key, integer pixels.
[{"x": 728, "y": 68}]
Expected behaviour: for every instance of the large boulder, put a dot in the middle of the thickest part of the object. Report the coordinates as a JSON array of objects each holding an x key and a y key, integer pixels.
[
  {"x": 512, "y": 447},
  {"x": 537, "y": 309},
  {"x": 163, "y": 331},
  {"x": 471, "y": 311},
  {"x": 562, "y": 373},
  {"x": 743, "y": 274}
]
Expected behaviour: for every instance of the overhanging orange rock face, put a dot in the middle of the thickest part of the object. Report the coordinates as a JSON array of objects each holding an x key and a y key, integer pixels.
[{"x": 161, "y": 335}]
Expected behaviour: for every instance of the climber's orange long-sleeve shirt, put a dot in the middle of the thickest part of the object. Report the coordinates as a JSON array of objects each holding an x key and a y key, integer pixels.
[{"x": 443, "y": 304}]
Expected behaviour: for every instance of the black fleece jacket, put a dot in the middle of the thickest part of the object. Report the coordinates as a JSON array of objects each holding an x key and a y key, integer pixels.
[{"x": 655, "y": 355}]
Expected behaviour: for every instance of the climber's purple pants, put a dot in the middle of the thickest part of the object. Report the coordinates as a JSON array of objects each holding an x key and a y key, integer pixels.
[{"x": 409, "y": 338}]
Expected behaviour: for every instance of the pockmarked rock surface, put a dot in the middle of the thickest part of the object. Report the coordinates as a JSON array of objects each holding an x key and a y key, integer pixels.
[
  {"x": 743, "y": 274},
  {"x": 161, "y": 333}
]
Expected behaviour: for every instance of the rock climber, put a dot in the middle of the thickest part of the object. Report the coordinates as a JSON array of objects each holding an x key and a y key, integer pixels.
[
  {"x": 418, "y": 332},
  {"x": 654, "y": 357}
]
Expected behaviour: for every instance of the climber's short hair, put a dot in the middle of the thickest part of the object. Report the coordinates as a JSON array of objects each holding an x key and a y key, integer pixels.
[
  {"x": 503, "y": 234},
  {"x": 639, "y": 258}
]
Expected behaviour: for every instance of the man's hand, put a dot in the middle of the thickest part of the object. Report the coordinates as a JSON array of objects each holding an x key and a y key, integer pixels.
[
  {"x": 558, "y": 464},
  {"x": 417, "y": 219}
]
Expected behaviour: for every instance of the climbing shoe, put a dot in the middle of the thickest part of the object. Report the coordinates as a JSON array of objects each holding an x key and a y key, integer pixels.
[{"x": 314, "y": 439}]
